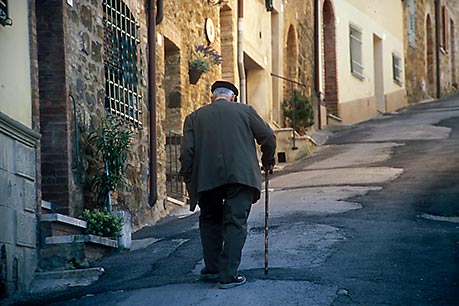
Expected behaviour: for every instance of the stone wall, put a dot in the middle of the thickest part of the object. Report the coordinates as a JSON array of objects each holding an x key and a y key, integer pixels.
[
  {"x": 299, "y": 16},
  {"x": 18, "y": 206},
  {"x": 86, "y": 82},
  {"x": 420, "y": 53},
  {"x": 415, "y": 60},
  {"x": 181, "y": 30},
  {"x": 449, "y": 63}
]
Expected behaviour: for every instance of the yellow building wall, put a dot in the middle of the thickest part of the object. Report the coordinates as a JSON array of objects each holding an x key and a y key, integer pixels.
[
  {"x": 258, "y": 61},
  {"x": 356, "y": 96},
  {"x": 15, "y": 82}
]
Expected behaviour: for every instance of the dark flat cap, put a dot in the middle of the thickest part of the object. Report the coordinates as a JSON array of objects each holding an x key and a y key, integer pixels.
[{"x": 225, "y": 84}]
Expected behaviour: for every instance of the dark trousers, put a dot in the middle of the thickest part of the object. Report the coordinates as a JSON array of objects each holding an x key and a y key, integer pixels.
[{"x": 223, "y": 227}]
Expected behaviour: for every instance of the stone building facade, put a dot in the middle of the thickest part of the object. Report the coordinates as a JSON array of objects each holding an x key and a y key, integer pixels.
[
  {"x": 298, "y": 60},
  {"x": 73, "y": 93},
  {"x": 422, "y": 20},
  {"x": 448, "y": 41},
  {"x": 419, "y": 39},
  {"x": 361, "y": 58},
  {"x": 80, "y": 67}
]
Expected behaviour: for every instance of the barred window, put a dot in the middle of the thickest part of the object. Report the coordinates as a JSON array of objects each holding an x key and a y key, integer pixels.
[
  {"x": 123, "y": 63},
  {"x": 355, "y": 38},
  {"x": 397, "y": 68}
]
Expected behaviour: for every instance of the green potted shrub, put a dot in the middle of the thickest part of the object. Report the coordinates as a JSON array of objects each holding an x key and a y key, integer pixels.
[
  {"x": 112, "y": 141},
  {"x": 298, "y": 111},
  {"x": 102, "y": 223}
]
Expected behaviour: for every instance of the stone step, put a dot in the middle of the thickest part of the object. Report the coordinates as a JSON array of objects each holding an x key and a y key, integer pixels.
[
  {"x": 288, "y": 150},
  {"x": 53, "y": 281},
  {"x": 46, "y": 206},
  {"x": 104, "y": 241},
  {"x": 55, "y": 224},
  {"x": 74, "y": 251}
]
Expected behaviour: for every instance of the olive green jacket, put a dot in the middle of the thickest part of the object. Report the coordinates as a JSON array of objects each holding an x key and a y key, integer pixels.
[{"x": 218, "y": 148}]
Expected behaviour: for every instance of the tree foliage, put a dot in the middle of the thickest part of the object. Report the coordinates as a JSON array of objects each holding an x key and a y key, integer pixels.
[
  {"x": 300, "y": 107},
  {"x": 112, "y": 141}
]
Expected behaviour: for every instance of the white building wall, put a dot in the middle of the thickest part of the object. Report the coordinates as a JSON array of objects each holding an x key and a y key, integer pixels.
[
  {"x": 15, "y": 90},
  {"x": 258, "y": 60},
  {"x": 357, "y": 96},
  {"x": 369, "y": 19}
]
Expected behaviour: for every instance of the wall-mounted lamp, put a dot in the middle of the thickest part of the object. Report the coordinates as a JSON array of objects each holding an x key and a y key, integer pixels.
[
  {"x": 269, "y": 5},
  {"x": 5, "y": 20}
]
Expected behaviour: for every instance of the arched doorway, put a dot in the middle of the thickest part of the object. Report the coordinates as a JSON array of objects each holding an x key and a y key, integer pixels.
[
  {"x": 292, "y": 62},
  {"x": 430, "y": 67},
  {"x": 329, "y": 47}
]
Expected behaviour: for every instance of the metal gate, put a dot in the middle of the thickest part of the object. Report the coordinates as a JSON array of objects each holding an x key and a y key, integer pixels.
[{"x": 174, "y": 182}]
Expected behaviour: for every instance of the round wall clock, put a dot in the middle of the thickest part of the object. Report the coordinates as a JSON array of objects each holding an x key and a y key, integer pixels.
[{"x": 210, "y": 30}]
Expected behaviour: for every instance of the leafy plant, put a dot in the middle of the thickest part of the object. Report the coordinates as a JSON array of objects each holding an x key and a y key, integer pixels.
[
  {"x": 102, "y": 223},
  {"x": 300, "y": 107},
  {"x": 112, "y": 141},
  {"x": 203, "y": 57}
]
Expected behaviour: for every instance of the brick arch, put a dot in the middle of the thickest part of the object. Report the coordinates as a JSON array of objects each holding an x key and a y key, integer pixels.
[
  {"x": 430, "y": 61},
  {"x": 330, "y": 65},
  {"x": 453, "y": 54}
]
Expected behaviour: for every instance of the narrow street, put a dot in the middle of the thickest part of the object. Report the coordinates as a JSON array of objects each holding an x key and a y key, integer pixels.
[{"x": 370, "y": 218}]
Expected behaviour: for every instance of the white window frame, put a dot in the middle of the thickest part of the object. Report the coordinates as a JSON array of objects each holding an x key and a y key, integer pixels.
[
  {"x": 355, "y": 50},
  {"x": 397, "y": 69}
]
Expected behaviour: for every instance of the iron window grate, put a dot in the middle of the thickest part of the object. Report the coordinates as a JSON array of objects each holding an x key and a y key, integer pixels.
[{"x": 123, "y": 63}]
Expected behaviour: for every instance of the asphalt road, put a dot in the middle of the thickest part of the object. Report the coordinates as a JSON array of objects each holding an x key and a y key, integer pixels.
[{"x": 371, "y": 218}]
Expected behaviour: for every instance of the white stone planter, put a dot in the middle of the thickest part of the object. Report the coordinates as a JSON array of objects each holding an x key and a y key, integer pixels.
[{"x": 125, "y": 241}]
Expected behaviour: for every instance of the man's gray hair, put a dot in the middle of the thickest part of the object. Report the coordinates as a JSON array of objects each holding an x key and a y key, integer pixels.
[{"x": 223, "y": 91}]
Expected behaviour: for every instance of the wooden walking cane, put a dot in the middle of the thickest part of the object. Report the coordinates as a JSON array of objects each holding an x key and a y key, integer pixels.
[{"x": 267, "y": 172}]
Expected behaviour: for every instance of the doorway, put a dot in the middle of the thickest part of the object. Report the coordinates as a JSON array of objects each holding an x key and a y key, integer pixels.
[{"x": 378, "y": 73}]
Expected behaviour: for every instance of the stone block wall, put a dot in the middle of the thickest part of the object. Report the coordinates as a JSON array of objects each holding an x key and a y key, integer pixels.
[
  {"x": 299, "y": 16},
  {"x": 420, "y": 54},
  {"x": 449, "y": 63},
  {"x": 18, "y": 206},
  {"x": 84, "y": 44},
  {"x": 415, "y": 53},
  {"x": 182, "y": 29},
  {"x": 77, "y": 77}
]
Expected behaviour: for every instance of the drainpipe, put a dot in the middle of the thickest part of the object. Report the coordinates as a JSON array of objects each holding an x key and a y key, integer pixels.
[
  {"x": 153, "y": 20},
  {"x": 159, "y": 11},
  {"x": 316, "y": 62},
  {"x": 240, "y": 51},
  {"x": 437, "y": 45}
]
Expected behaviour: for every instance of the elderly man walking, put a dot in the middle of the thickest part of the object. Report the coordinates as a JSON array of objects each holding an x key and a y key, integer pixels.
[{"x": 220, "y": 166}]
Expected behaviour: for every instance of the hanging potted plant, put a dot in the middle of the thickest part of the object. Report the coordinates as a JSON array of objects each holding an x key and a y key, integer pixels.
[{"x": 203, "y": 57}]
